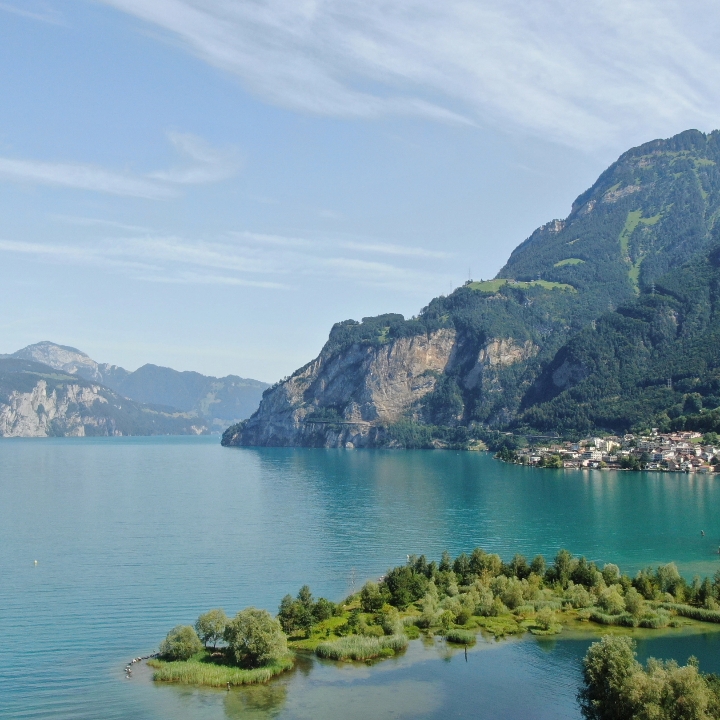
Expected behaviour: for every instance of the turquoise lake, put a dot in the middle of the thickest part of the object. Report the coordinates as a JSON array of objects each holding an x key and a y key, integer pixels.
[{"x": 135, "y": 535}]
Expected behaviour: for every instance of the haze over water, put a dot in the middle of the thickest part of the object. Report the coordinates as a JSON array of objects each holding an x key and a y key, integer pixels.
[{"x": 133, "y": 536}]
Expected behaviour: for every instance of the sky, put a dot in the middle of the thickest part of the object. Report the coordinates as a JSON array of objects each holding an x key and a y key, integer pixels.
[{"x": 209, "y": 185}]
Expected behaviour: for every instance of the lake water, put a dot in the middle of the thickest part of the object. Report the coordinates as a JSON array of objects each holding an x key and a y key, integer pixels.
[{"x": 135, "y": 535}]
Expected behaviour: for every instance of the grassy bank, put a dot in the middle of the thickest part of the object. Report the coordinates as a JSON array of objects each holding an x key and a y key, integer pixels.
[{"x": 202, "y": 669}]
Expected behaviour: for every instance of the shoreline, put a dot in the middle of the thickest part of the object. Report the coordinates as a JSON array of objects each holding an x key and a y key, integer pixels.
[{"x": 458, "y": 600}]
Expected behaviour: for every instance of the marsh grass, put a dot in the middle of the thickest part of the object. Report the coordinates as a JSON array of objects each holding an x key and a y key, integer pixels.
[
  {"x": 501, "y": 625},
  {"x": 695, "y": 613},
  {"x": 461, "y": 637},
  {"x": 201, "y": 671},
  {"x": 361, "y": 647},
  {"x": 653, "y": 621}
]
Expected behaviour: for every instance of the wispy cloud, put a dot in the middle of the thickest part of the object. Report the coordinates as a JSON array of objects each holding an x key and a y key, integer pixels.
[
  {"x": 241, "y": 259},
  {"x": 202, "y": 164},
  {"x": 82, "y": 177},
  {"x": 72, "y": 254},
  {"x": 583, "y": 74},
  {"x": 99, "y": 222},
  {"x": 207, "y": 164},
  {"x": 41, "y": 14},
  {"x": 387, "y": 249}
]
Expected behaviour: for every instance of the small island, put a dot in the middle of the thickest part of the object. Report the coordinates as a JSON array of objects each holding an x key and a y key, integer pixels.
[{"x": 454, "y": 598}]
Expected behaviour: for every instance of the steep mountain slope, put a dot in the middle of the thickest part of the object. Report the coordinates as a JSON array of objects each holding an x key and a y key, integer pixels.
[
  {"x": 481, "y": 356},
  {"x": 653, "y": 362},
  {"x": 217, "y": 401},
  {"x": 39, "y": 401}
]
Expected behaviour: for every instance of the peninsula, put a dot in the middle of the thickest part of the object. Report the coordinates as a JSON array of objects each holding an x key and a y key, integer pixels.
[{"x": 453, "y": 598}]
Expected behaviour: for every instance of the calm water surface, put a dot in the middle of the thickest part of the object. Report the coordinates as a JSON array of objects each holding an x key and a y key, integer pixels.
[{"x": 133, "y": 536}]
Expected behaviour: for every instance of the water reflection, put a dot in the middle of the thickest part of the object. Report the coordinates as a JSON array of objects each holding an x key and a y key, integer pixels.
[
  {"x": 134, "y": 536},
  {"x": 258, "y": 702}
]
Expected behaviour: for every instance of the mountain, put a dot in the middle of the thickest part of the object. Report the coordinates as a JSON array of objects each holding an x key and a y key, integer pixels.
[
  {"x": 215, "y": 401},
  {"x": 551, "y": 333},
  {"x": 37, "y": 400}
]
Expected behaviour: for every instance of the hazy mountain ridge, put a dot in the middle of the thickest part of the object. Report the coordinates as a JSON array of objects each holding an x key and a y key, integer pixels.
[
  {"x": 37, "y": 400},
  {"x": 215, "y": 401},
  {"x": 648, "y": 213}
]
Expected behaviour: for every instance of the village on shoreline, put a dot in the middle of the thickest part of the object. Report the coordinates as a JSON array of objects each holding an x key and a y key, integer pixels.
[{"x": 688, "y": 452}]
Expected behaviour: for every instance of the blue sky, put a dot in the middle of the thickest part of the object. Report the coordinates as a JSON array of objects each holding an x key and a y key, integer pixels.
[{"x": 209, "y": 185}]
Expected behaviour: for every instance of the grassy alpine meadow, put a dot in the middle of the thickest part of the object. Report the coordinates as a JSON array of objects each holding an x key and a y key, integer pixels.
[{"x": 202, "y": 670}]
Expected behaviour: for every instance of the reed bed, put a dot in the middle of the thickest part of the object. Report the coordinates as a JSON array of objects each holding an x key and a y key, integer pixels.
[
  {"x": 653, "y": 621},
  {"x": 461, "y": 637},
  {"x": 695, "y": 613},
  {"x": 361, "y": 647},
  {"x": 193, "y": 672}
]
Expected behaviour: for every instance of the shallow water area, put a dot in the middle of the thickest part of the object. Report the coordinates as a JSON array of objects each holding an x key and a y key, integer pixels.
[{"x": 135, "y": 535}]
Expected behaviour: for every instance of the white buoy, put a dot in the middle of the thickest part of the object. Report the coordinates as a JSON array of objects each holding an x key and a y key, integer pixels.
[{"x": 36, "y": 562}]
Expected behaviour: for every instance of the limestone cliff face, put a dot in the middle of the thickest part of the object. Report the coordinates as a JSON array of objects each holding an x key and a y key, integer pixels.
[
  {"x": 495, "y": 355},
  {"x": 39, "y": 401},
  {"x": 367, "y": 386},
  {"x": 63, "y": 411},
  {"x": 215, "y": 401}
]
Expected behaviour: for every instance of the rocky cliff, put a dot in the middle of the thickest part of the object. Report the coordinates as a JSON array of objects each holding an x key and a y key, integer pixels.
[
  {"x": 215, "y": 401},
  {"x": 484, "y": 356},
  {"x": 39, "y": 401},
  {"x": 351, "y": 397}
]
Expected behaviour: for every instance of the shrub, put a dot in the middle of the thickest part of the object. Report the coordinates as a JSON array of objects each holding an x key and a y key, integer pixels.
[
  {"x": 405, "y": 586},
  {"x": 372, "y": 598},
  {"x": 412, "y": 632},
  {"x": 372, "y": 631},
  {"x": 617, "y": 687},
  {"x": 578, "y": 596},
  {"x": 545, "y": 618},
  {"x": 512, "y": 595},
  {"x": 634, "y": 602},
  {"x": 255, "y": 638},
  {"x": 181, "y": 643},
  {"x": 497, "y": 608},
  {"x": 611, "y": 601},
  {"x": 462, "y": 637},
  {"x": 485, "y": 603},
  {"x": 323, "y": 609},
  {"x": 611, "y": 573},
  {"x": 391, "y": 622},
  {"x": 210, "y": 626}
]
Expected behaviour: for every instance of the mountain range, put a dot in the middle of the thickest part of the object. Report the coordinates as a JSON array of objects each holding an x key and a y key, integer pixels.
[
  {"x": 606, "y": 320},
  {"x": 50, "y": 389}
]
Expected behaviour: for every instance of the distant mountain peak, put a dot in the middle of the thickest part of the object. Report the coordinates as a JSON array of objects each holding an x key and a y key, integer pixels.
[
  {"x": 61, "y": 357},
  {"x": 218, "y": 401}
]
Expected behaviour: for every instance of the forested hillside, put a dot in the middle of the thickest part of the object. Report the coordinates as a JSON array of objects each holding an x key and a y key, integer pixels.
[{"x": 603, "y": 320}]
